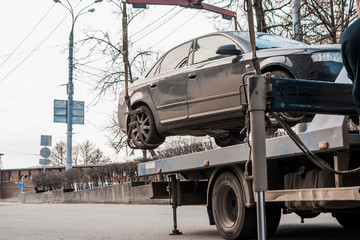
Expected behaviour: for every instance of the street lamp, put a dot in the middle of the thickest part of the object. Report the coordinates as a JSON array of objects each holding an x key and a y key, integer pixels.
[{"x": 70, "y": 86}]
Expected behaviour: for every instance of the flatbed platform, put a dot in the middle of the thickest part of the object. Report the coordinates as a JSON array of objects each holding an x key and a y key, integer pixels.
[{"x": 330, "y": 130}]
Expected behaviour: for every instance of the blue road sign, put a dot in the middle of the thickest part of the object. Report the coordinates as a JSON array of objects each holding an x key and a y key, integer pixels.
[{"x": 22, "y": 185}]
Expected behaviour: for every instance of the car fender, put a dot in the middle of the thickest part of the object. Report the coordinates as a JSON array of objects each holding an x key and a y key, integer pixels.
[
  {"x": 142, "y": 97},
  {"x": 280, "y": 61}
]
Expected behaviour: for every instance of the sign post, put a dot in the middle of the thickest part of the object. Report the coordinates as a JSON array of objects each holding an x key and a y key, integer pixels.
[
  {"x": 70, "y": 112},
  {"x": 46, "y": 140}
]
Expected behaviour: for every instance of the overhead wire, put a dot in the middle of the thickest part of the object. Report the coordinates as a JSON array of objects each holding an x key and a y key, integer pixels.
[
  {"x": 153, "y": 22},
  {"x": 17, "y": 66},
  {"x": 28, "y": 93},
  {"x": 38, "y": 46},
  {"x": 26, "y": 121},
  {"x": 12, "y": 53},
  {"x": 39, "y": 49},
  {"x": 157, "y": 26},
  {"x": 176, "y": 29}
]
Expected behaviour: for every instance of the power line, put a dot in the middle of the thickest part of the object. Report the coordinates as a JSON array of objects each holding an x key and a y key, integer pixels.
[
  {"x": 27, "y": 93},
  {"x": 27, "y": 35},
  {"x": 176, "y": 29},
  {"x": 26, "y": 121},
  {"x": 157, "y": 26},
  {"x": 153, "y": 22},
  {"x": 17, "y": 66},
  {"x": 39, "y": 49}
]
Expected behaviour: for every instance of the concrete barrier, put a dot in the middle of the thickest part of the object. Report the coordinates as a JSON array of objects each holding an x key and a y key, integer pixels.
[{"x": 122, "y": 193}]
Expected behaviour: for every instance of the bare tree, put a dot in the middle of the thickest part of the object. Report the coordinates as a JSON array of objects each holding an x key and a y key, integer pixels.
[
  {"x": 58, "y": 154},
  {"x": 325, "y": 21},
  {"x": 85, "y": 153},
  {"x": 89, "y": 154}
]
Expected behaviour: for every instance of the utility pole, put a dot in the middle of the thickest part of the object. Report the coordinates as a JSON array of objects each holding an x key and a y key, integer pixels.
[
  {"x": 70, "y": 85},
  {"x": 296, "y": 16},
  {"x": 70, "y": 92}
]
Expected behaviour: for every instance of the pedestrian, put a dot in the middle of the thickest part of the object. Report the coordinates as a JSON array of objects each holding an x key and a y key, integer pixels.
[{"x": 350, "y": 48}]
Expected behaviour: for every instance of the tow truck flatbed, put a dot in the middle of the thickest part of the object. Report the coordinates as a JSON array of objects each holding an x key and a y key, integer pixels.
[{"x": 329, "y": 130}]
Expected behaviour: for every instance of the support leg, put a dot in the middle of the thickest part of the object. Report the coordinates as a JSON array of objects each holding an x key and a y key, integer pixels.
[
  {"x": 261, "y": 215},
  {"x": 174, "y": 201},
  {"x": 257, "y": 106}
]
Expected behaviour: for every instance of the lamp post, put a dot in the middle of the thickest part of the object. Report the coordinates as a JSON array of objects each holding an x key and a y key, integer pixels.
[{"x": 70, "y": 85}]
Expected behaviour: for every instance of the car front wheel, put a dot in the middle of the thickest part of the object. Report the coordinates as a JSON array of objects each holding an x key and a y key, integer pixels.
[{"x": 143, "y": 132}]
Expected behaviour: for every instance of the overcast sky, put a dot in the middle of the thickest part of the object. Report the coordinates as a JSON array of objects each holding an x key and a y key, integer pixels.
[{"x": 34, "y": 69}]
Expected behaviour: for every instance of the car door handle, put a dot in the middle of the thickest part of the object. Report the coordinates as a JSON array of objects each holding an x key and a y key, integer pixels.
[
  {"x": 192, "y": 75},
  {"x": 153, "y": 85}
]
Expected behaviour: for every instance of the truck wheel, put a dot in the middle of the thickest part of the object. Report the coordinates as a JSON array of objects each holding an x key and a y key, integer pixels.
[
  {"x": 348, "y": 220},
  {"x": 233, "y": 220},
  {"x": 273, "y": 216}
]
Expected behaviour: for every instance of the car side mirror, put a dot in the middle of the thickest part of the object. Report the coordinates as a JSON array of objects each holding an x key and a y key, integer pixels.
[{"x": 228, "y": 50}]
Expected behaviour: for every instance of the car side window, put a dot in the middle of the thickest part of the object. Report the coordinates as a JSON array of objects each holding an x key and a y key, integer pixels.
[
  {"x": 155, "y": 69},
  {"x": 205, "y": 48},
  {"x": 174, "y": 59}
]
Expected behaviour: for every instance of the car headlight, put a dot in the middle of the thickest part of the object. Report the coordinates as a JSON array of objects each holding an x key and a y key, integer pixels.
[{"x": 327, "y": 57}]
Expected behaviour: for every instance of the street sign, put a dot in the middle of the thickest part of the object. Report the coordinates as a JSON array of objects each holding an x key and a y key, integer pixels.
[
  {"x": 45, "y": 152},
  {"x": 60, "y": 111},
  {"x": 78, "y": 112},
  {"x": 44, "y": 161},
  {"x": 22, "y": 185},
  {"x": 46, "y": 140}
]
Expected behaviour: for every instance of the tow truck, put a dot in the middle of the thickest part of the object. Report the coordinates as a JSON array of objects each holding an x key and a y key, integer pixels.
[
  {"x": 246, "y": 187},
  {"x": 306, "y": 173}
]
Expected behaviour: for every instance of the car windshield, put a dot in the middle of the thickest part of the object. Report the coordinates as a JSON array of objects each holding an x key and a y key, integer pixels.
[{"x": 265, "y": 41}]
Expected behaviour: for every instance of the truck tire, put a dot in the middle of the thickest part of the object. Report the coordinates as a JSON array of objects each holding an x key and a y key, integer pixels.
[
  {"x": 348, "y": 220},
  {"x": 232, "y": 218}
]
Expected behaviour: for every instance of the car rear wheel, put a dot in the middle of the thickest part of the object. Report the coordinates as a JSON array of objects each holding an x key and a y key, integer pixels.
[
  {"x": 145, "y": 135},
  {"x": 231, "y": 138}
]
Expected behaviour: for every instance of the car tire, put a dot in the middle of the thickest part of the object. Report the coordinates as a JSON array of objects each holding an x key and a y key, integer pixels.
[
  {"x": 148, "y": 131},
  {"x": 230, "y": 139},
  {"x": 281, "y": 74}
]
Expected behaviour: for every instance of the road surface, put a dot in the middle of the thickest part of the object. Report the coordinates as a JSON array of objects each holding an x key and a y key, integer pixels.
[{"x": 137, "y": 222}]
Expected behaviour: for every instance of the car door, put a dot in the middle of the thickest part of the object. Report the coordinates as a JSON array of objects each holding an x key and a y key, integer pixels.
[
  {"x": 214, "y": 80},
  {"x": 167, "y": 85}
]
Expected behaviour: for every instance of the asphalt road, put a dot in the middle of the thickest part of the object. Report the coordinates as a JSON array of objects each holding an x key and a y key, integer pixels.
[{"x": 127, "y": 222}]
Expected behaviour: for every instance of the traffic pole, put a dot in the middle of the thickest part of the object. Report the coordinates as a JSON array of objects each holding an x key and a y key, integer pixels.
[{"x": 257, "y": 106}]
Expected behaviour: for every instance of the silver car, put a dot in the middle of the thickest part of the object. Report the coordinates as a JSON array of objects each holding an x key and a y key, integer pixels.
[{"x": 193, "y": 89}]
